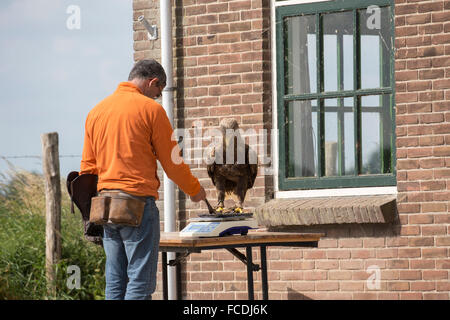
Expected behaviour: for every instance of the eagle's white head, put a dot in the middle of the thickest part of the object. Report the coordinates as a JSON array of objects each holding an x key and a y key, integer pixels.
[{"x": 229, "y": 128}]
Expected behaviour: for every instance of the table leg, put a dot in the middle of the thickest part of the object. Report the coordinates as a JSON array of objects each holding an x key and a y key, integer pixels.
[
  {"x": 164, "y": 275},
  {"x": 178, "y": 275},
  {"x": 249, "y": 273},
  {"x": 265, "y": 286}
]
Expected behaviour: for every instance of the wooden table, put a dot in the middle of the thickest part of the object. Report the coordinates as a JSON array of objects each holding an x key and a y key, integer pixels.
[{"x": 172, "y": 242}]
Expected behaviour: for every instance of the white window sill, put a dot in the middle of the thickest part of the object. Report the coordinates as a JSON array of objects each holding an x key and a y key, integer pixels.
[{"x": 336, "y": 192}]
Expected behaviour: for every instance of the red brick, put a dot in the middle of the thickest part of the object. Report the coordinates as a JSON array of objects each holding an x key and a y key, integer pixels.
[
  {"x": 421, "y": 219},
  {"x": 387, "y": 253},
  {"x": 219, "y": 90},
  {"x": 351, "y": 286},
  {"x": 405, "y": 9},
  {"x": 404, "y": 164},
  {"x": 315, "y": 275},
  {"x": 409, "y": 230},
  {"x": 217, "y": 7},
  {"x": 420, "y": 152},
  {"x": 422, "y": 286},
  {"x": 441, "y": 84},
  {"x": 441, "y": 151},
  {"x": 442, "y": 128},
  {"x": 228, "y": 17},
  {"x": 398, "y": 286},
  {"x": 208, "y": 80},
  {"x": 420, "y": 175},
  {"x": 434, "y": 252},
  {"x": 438, "y": 62},
  {"x": 434, "y": 275},
  {"x": 409, "y": 253},
  {"x": 434, "y": 207},
  {"x": 439, "y": 16},
  {"x": 230, "y": 79},
  {"x": 431, "y": 96},
  {"x": 431, "y": 140},
  {"x": 229, "y": 38},
  {"x": 195, "y": 10},
  {"x": 422, "y": 264},
  {"x": 420, "y": 63},
  {"x": 406, "y": 97},
  {"x": 432, "y": 185},
  {"x": 435, "y": 296},
  {"x": 408, "y": 186},
  {"x": 418, "y": 85},
  {"x": 430, "y": 6},
  {"x": 431, "y": 163},
  {"x": 431, "y": 74},
  {"x": 315, "y": 254},
  {"x": 431, "y": 118}
]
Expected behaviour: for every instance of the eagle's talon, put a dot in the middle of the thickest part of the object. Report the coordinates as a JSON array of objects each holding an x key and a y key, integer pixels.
[
  {"x": 238, "y": 210},
  {"x": 219, "y": 209}
]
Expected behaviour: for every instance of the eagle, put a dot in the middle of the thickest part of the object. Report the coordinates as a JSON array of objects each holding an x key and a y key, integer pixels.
[{"x": 232, "y": 165}]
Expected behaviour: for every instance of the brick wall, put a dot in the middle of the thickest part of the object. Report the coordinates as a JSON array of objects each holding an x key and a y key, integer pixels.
[{"x": 222, "y": 68}]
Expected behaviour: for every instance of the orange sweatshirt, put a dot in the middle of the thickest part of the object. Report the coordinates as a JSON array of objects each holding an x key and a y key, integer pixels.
[{"x": 124, "y": 136}]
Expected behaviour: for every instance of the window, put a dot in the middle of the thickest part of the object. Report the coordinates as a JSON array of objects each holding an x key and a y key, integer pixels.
[{"x": 335, "y": 84}]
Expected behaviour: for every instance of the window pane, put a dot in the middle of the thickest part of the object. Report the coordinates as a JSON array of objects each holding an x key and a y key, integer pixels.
[
  {"x": 339, "y": 137},
  {"x": 348, "y": 127},
  {"x": 374, "y": 28},
  {"x": 302, "y": 138},
  {"x": 370, "y": 144},
  {"x": 338, "y": 51},
  {"x": 331, "y": 137},
  {"x": 300, "y": 54},
  {"x": 376, "y": 134}
]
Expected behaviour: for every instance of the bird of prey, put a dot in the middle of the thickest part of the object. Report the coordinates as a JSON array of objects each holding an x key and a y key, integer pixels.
[{"x": 232, "y": 165}]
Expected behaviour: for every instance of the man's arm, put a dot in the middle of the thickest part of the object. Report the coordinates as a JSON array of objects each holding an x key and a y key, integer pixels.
[
  {"x": 175, "y": 169},
  {"x": 88, "y": 163}
]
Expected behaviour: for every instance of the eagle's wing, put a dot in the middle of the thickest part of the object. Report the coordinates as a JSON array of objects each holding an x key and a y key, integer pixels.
[
  {"x": 252, "y": 165},
  {"x": 211, "y": 166}
]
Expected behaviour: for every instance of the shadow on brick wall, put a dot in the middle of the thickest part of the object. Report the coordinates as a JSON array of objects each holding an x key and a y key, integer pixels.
[{"x": 351, "y": 230}]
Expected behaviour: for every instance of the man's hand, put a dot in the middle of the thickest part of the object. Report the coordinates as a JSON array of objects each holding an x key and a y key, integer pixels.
[{"x": 201, "y": 195}]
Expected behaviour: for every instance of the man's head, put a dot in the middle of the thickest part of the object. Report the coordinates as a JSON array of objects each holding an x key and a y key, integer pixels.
[{"x": 149, "y": 76}]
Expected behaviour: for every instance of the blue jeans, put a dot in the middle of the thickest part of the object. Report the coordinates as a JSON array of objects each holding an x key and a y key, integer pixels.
[{"x": 132, "y": 257}]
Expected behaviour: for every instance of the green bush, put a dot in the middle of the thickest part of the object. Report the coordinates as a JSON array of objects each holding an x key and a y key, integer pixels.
[{"x": 22, "y": 244}]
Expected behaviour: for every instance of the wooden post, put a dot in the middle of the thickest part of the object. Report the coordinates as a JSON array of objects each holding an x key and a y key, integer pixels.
[{"x": 50, "y": 164}]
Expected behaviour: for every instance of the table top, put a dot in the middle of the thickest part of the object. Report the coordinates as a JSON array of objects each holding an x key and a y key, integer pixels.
[{"x": 173, "y": 239}]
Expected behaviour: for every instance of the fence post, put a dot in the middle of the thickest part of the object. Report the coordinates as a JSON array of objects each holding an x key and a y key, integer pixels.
[{"x": 50, "y": 164}]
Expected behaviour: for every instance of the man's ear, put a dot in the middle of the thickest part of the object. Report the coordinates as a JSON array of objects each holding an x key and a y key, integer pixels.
[{"x": 153, "y": 82}]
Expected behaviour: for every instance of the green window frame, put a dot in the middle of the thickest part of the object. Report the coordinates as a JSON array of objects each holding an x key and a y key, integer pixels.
[{"x": 335, "y": 103}]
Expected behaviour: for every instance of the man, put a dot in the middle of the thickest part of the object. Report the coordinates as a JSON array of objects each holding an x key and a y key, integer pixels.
[{"x": 124, "y": 136}]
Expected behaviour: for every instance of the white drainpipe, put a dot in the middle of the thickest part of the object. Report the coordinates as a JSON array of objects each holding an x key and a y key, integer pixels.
[{"x": 167, "y": 102}]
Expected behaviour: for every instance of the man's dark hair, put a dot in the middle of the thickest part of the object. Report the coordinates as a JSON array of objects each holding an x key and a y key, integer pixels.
[{"x": 145, "y": 69}]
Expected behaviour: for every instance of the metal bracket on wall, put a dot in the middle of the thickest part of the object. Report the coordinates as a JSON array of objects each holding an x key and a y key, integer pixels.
[
  {"x": 243, "y": 258},
  {"x": 181, "y": 257},
  {"x": 151, "y": 29}
]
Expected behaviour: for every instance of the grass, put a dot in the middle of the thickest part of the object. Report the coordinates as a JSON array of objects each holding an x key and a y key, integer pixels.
[{"x": 22, "y": 244}]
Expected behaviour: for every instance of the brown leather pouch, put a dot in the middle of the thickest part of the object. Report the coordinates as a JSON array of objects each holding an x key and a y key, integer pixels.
[
  {"x": 117, "y": 207},
  {"x": 99, "y": 210},
  {"x": 126, "y": 211}
]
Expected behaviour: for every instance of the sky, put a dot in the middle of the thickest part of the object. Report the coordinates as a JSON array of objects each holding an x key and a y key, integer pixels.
[{"x": 59, "y": 58}]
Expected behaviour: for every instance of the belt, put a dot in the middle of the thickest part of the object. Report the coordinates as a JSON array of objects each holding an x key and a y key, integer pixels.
[{"x": 110, "y": 192}]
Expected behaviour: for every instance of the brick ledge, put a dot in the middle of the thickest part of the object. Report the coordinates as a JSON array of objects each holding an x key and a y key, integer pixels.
[{"x": 329, "y": 210}]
